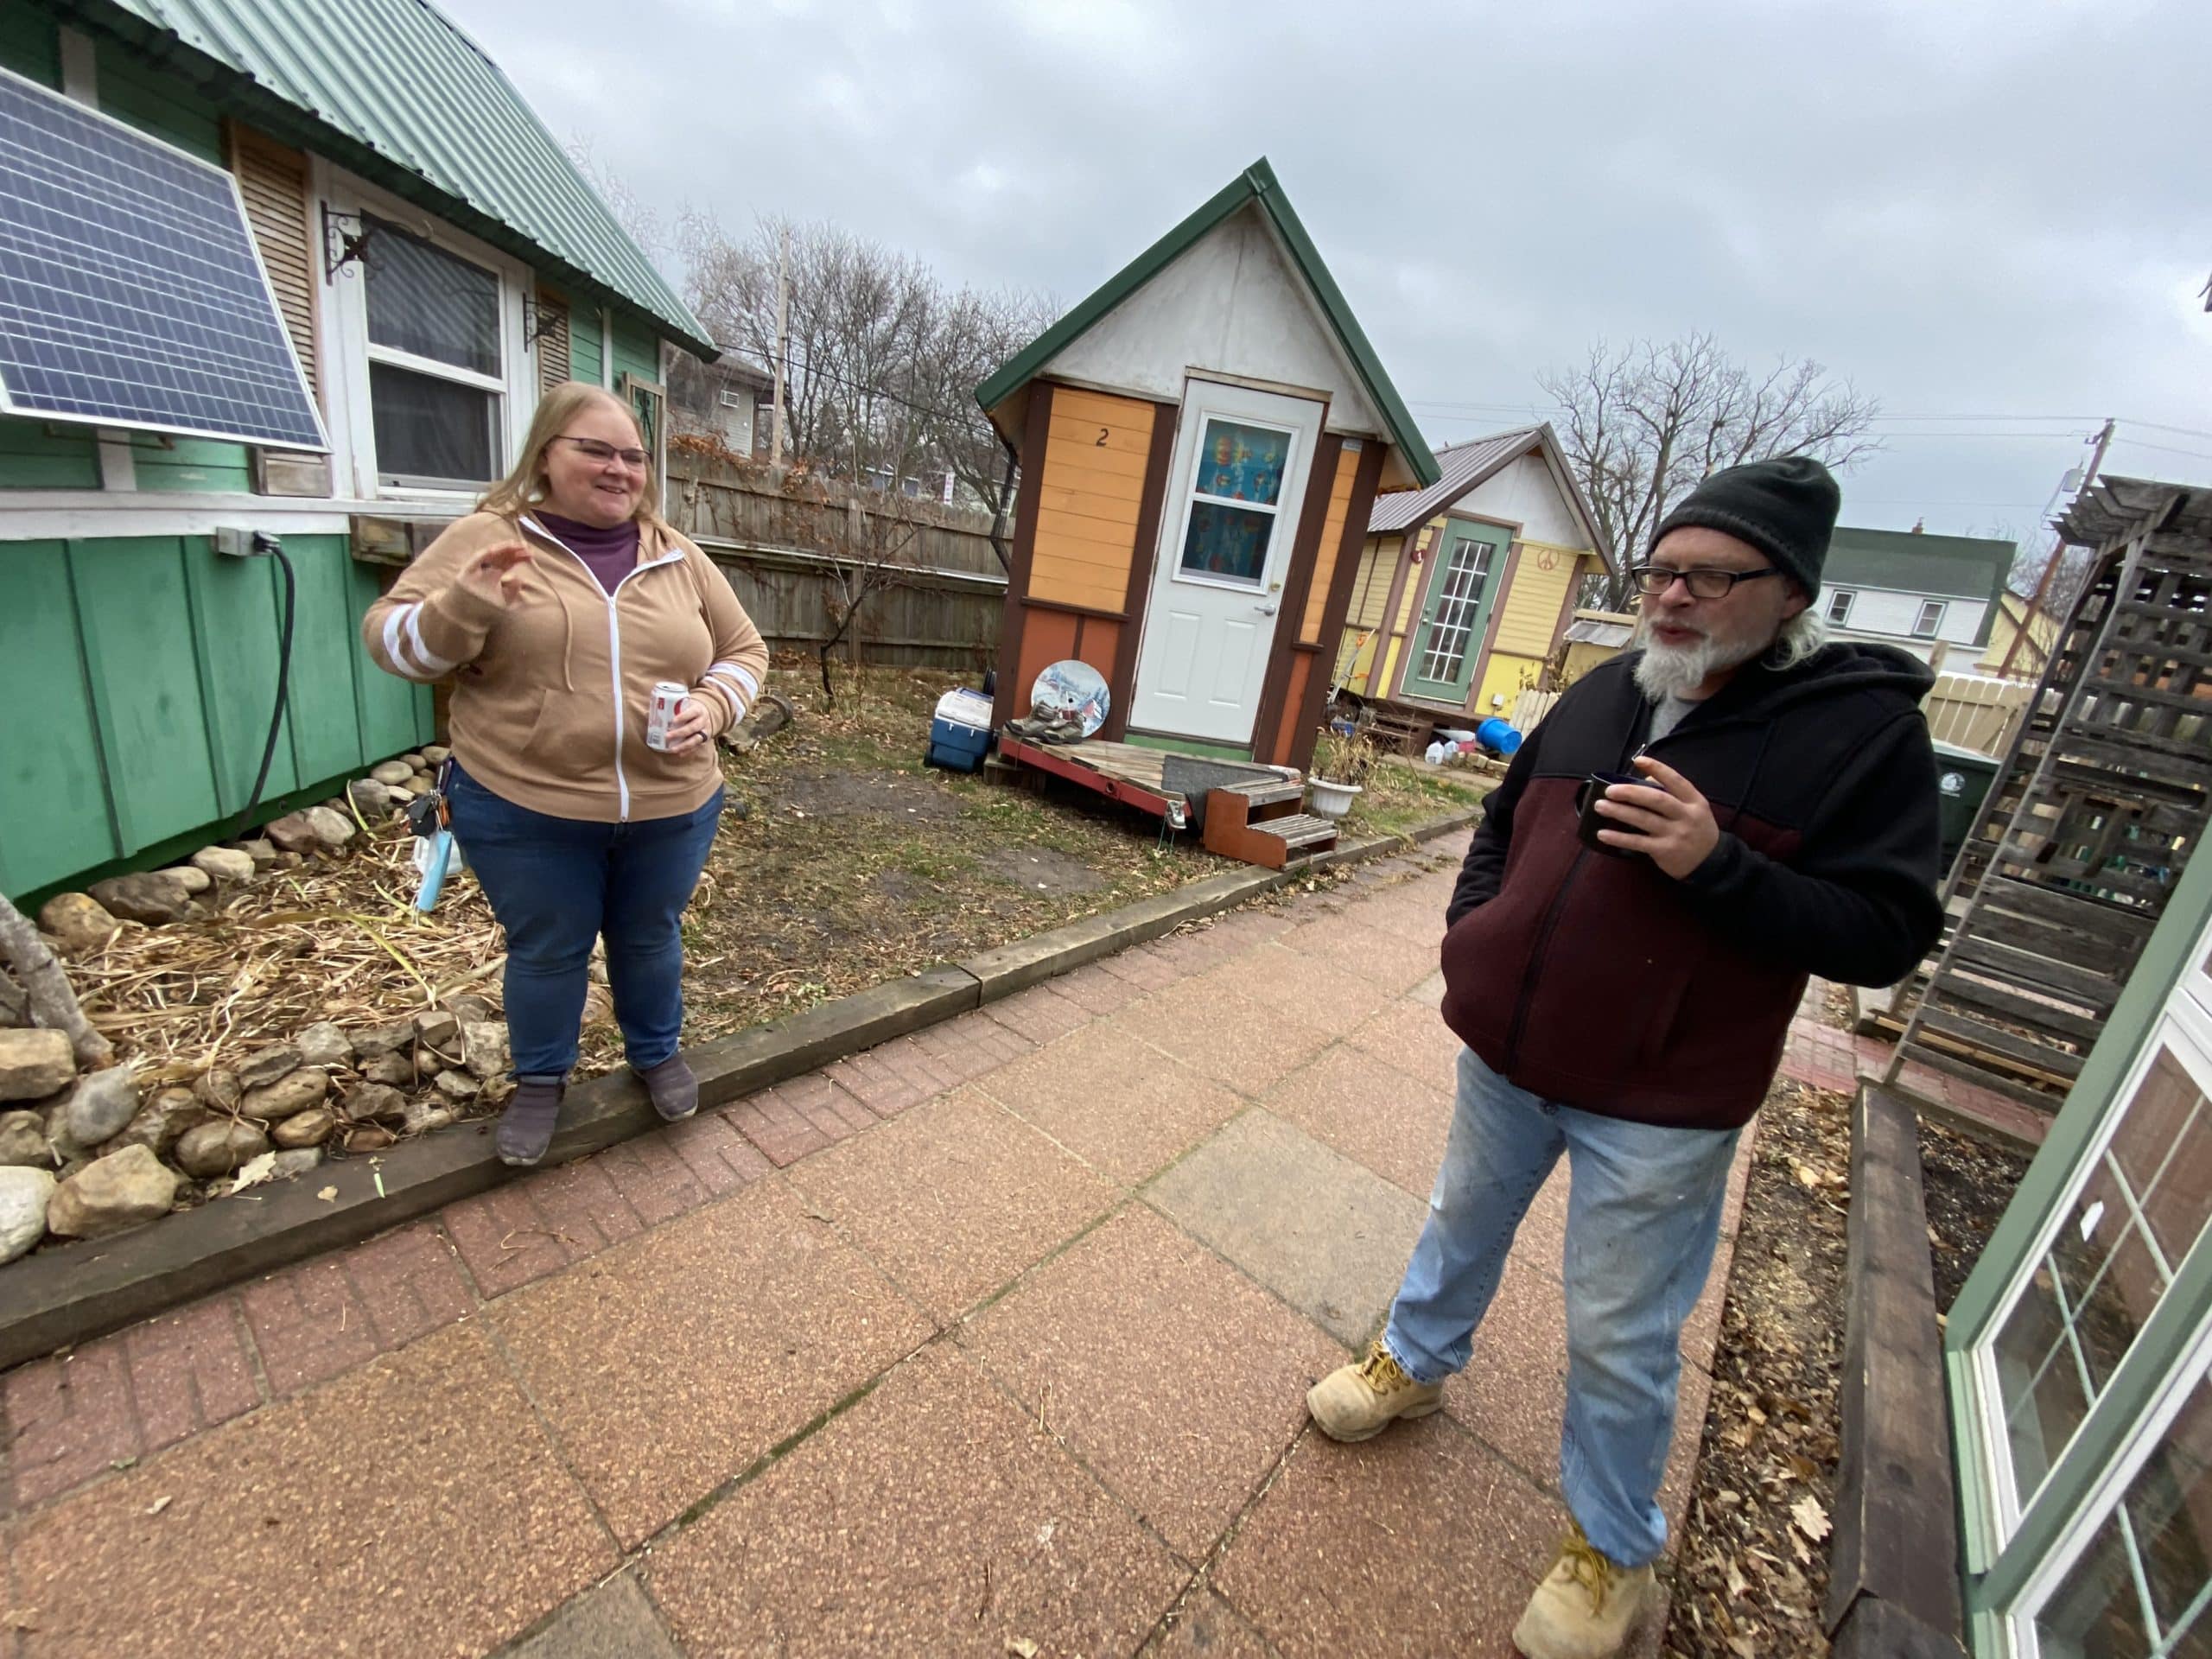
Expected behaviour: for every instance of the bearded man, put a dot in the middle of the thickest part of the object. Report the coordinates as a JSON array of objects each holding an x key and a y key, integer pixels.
[{"x": 1624, "y": 999}]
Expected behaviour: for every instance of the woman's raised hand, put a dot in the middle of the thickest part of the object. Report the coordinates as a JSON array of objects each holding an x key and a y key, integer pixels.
[{"x": 497, "y": 575}]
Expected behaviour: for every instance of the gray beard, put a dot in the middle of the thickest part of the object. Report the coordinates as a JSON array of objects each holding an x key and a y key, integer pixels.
[{"x": 1677, "y": 671}]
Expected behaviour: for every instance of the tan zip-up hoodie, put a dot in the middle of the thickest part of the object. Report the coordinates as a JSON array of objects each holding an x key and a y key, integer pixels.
[{"x": 550, "y": 694}]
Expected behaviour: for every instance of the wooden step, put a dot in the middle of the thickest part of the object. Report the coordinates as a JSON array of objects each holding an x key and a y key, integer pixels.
[
  {"x": 2007, "y": 1002},
  {"x": 1301, "y": 830},
  {"x": 2022, "y": 1053},
  {"x": 1289, "y": 789}
]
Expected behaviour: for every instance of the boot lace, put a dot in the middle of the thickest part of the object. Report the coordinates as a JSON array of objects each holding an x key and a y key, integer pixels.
[
  {"x": 1587, "y": 1567},
  {"x": 1382, "y": 1373}
]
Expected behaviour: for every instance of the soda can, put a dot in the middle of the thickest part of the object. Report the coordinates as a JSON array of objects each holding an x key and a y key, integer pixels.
[{"x": 668, "y": 697}]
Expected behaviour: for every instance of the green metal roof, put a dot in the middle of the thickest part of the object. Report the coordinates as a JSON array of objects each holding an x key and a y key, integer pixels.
[
  {"x": 394, "y": 90},
  {"x": 1257, "y": 183}
]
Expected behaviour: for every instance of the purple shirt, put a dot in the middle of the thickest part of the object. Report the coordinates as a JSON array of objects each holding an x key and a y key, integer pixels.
[{"x": 610, "y": 554}]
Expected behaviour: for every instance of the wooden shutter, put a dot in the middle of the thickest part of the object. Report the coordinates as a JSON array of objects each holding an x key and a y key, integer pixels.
[
  {"x": 552, "y": 332},
  {"x": 274, "y": 182}
]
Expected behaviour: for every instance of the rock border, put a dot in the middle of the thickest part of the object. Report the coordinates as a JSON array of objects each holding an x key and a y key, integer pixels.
[{"x": 60, "y": 1298}]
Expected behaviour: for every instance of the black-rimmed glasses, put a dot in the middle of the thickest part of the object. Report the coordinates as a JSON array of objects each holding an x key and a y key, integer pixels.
[{"x": 1653, "y": 580}]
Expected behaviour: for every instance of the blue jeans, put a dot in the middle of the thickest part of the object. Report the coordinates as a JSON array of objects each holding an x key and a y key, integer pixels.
[
  {"x": 1642, "y": 1217},
  {"x": 557, "y": 883}
]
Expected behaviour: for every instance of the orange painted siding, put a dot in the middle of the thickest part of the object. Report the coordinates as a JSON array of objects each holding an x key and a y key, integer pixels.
[
  {"x": 1333, "y": 537},
  {"x": 1047, "y": 637},
  {"x": 1092, "y": 489}
]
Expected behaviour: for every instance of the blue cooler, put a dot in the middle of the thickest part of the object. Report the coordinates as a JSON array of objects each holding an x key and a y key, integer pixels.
[{"x": 960, "y": 731}]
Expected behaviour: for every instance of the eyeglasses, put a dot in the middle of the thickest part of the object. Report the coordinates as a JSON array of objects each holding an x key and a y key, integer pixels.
[
  {"x": 635, "y": 460},
  {"x": 1653, "y": 580}
]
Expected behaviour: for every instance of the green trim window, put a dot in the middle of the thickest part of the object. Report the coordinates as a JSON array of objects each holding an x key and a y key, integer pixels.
[
  {"x": 1465, "y": 576},
  {"x": 2080, "y": 1349}
]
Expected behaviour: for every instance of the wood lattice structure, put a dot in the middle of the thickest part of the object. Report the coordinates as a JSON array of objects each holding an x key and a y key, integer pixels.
[{"x": 2103, "y": 796}]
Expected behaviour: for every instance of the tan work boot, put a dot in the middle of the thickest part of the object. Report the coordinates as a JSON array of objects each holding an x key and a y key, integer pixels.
[
  {"x": 1586, "y": 1607},
  {"x": 1357, "y": 1403}
]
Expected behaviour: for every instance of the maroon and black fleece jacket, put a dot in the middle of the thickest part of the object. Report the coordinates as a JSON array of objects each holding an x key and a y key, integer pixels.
[{"x": 1603, "y": 984}]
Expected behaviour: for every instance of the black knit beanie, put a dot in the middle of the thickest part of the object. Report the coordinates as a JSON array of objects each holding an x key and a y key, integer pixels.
[{"x": 1786, "y": 508}]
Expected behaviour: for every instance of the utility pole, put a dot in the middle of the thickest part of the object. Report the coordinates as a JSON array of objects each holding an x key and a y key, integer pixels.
[
  {"x": 782, "y": 343},
  {"x": 2058, "y": 552}
]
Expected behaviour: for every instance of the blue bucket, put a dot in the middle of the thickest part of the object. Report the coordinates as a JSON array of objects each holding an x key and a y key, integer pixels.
[{"x": 1497, "y": 736}]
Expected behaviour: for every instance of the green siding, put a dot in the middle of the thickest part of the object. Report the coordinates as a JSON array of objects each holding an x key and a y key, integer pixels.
[
  {"x": 161, "y": 462},
  {"x": 636, "y": 352},
  {"x": 157, "y": 102},
  {"x": 587, "y": 349},
  {"x": 151, "y": 664},
  {"x": 35, "y": 455},
  {"x": 31, "y": 44}
]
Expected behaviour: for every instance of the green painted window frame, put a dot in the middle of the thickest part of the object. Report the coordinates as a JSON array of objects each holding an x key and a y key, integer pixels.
[
  {"x": 2170, "y": 1352},
  {"x": 1455, "y": 534}
]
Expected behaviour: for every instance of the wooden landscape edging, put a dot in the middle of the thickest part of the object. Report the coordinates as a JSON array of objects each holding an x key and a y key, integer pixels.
[
  {"x": 1893, "y": 1566},
  {"x": 62, "y": 1296}
]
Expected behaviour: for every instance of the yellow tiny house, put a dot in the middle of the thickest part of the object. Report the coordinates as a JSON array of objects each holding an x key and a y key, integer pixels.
[
  {"x": 1464, "y": 589},
  {"x": 1201, "y": 442}
]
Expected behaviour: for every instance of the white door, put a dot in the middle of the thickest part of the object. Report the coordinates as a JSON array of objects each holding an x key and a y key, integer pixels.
[{"x": 1241, "y": 461}]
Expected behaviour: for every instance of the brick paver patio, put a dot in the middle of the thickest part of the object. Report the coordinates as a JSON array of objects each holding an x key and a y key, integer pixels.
[{"x": 995, "y": 1336}]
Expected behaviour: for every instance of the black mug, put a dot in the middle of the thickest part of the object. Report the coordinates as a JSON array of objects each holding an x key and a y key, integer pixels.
[{"x": 1590, "y": 820}]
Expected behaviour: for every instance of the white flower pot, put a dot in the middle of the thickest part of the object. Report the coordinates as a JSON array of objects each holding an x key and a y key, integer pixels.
[{"x": 1329, "y": 800}]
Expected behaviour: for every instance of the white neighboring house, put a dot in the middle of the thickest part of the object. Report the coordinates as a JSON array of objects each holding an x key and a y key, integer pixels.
[{"x": 1935, "y": 596}]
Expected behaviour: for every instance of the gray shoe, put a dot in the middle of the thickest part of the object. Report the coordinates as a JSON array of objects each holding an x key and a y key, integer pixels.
[
  {"x": 674, "y": 1089},
  {"x": 526, "y": 1127}
]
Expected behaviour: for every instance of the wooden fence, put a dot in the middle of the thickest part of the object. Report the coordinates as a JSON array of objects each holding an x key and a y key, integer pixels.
[
  {"x": 1965, "y": 709},
  {"x": 783, "y": 539}
]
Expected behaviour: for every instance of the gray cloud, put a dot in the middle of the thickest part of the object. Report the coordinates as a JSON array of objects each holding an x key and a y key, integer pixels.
[{"x": 1968, "y": 208}]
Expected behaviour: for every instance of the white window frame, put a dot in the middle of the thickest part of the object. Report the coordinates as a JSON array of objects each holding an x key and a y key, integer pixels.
[
  {"x": 1843, "y": 596},
  {"x": 346, "y": 352},
  {"x": 1926, "y": 627}
]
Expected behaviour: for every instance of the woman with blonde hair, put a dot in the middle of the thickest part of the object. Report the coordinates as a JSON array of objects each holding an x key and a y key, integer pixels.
[{"x": 556, "y": 607}]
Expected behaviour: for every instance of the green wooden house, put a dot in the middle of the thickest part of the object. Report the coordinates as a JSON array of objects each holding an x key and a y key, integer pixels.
[{"x": 435, "y": 261}]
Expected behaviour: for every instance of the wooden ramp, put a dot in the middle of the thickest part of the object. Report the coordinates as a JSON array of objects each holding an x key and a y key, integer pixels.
[{"x": 1243, "y": 810}]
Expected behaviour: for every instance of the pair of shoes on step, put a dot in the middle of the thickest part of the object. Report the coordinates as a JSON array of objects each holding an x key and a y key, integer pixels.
[
  {"x": 1587, "y": 1605},
  {"x": 526, "y": 1127},
  {"x": 1046, "y": 726}
]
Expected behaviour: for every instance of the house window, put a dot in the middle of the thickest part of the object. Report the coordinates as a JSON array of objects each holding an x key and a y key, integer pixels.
[
  {"x": 1930, "y": 619},
  {"x": 1839, "y": 610},
  {"x": 735, "y": 399},
  {"x": 436, "y": 375},
  {"x": 1236, "y": 483}
]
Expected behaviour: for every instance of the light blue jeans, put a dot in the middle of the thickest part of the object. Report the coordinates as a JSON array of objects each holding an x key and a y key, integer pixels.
[{"x": 1642, "y": 1217}]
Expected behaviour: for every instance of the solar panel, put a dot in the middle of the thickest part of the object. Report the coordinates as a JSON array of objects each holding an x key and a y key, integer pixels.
[{"x": 130, "y": 292}]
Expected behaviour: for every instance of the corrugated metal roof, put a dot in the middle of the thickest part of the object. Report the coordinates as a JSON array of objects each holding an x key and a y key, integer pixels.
[
  {"x": 1462, "y": 464},
  {"x": 399, "y": 80},
  {"x": 1599, "y": 631}
]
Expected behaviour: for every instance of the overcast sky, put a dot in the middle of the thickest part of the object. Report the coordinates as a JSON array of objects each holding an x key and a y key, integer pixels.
[{"x": 1992, "y": 215}]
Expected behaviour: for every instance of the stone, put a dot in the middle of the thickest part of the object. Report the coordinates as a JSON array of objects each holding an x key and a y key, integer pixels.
[
  {"x": 261, "y": 850},
  {"x": 34, "y": 1063},
  {"x": 15, "y": 1005},
  {"x": 23, "y": 1141},
  {"x": 332, "y": 829},
  {"x": 422, "y": 1118},
  {"x": 420, "y": 786},
  {"x": 160, "y": 1123},
  {"x": 437, "y": 1027},
  {"x": 101, "y": 1104},
  {"x": 375, "y": 1103},
  {"x": 193, "y": 880},
  {"x": 151, "y": 896},
  {"x": 78, "y": 919},
  {"x": 458, "y": 1085},
  {"x": 497, "y": 1091},
  {"x": 469, "y": 1006},
  {"x": 218, "y": 1089},
  {"x": 392, "y": 774},
  {"x": 370, "y": 796},
  {"x": 296, "y": 1162},
  {"x": 308, "y": 1128},
  {"x": 370, "y": 1137},
  {"x": 220, "y": 1149},
  {"x": 434, "y": 755},
  {"x": 382, "y": 1040},
  {"x": 123, "y": 1189},
  {"x": 24, "y": 1194},
  {"x": 226, "y": 863},
  {"x": 324, "y": 1044},
  {"x": 487, "y": 1047},
  {"x": 393, "y": 1070},
  {"x": 292, "y": 834},
  {"x": 414, "y": 759},
  {"x": 265, "y": 1066},
  {"x": 287, "y": 1096}
]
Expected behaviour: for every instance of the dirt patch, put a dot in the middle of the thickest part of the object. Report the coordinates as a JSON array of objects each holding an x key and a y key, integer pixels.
[
  {"x": 1043, "y": 868},
  {"x": 890, "y": 794},
  {"x": 1753, "y": 1565},
  {"x": 1969, "y": 1185}
]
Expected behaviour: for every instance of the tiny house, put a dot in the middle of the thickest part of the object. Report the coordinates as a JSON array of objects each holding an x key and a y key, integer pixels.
[
  {"x": 1464, "y": 589},
  {"x": 1201, "y": 442}
]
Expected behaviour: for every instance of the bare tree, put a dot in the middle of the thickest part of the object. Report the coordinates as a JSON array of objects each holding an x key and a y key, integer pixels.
[
  {"x": 1643, "y": 423},
  {"x": 642, "y": 222},
  {"x": 884, "y": 358},
  {"x": 878, "y": 554}
]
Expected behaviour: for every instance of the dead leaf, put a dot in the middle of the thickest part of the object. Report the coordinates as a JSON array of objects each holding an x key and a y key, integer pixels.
[
  {"x": 328, "y": 1195},
  {"x": 1808, "y": 1175},
  {"x": 256, "y": 1172},
  {"x": 160, "y": 1504},
  {"x": 1021, "y": 1647},
  {"x": 22, "y": 1618},
  {"x": 1810, "y": 1518},
  {"x": 1737, "y": 1584}
]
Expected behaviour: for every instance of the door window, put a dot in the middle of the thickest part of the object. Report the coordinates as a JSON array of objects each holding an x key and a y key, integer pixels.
[{"x": 1236, "y": 498}]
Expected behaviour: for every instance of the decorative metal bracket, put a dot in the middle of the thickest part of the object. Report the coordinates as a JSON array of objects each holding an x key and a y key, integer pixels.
[
  {"x": 543, "y": 322},
  {"x": 345, "y": 239}
]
